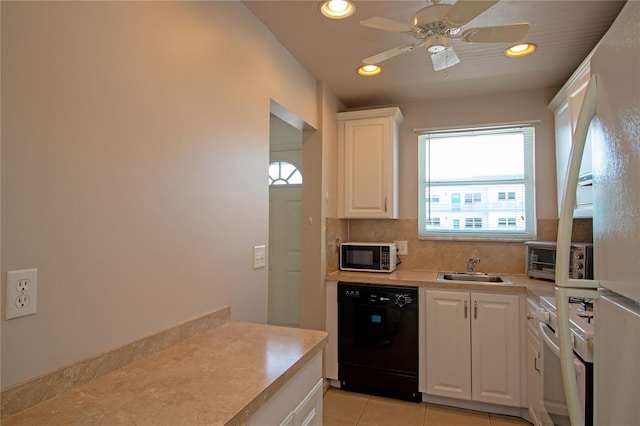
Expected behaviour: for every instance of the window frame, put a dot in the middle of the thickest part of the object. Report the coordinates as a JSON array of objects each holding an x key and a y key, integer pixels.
[
  {"x": 273, "y": 182},
  {"x": 506, "y": 233}
]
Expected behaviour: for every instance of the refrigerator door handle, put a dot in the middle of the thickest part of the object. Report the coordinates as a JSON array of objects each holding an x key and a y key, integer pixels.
[
  {"x": 563, "y": 254},
  {"x": 563, "y": 284}
]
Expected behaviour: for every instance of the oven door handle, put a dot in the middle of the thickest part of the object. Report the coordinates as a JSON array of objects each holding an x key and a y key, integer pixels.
[
  {"x": 550, "y": 341},
  {"x": 553, "y": 345}
]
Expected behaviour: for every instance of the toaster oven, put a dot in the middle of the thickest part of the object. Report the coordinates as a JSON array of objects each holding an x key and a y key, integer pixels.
[{"x": 541, "y": 260}]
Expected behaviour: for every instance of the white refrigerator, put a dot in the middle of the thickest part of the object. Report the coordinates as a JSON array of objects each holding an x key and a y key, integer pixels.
[{"x": 611, "y": 112}]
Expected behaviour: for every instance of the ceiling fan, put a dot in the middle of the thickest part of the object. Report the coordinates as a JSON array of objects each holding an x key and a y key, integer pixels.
[{"x": 433, "y": 26}]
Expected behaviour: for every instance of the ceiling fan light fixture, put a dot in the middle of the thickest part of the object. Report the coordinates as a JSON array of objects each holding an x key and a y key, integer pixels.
[
  {"x": 337, "y": 9},
  {"x": 436, "y": 43},
  {"x": 520, "y": 49},
  {"x": 369, "y": 70}
]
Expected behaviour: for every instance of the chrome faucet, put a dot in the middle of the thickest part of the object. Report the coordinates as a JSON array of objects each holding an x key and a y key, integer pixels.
[{"x": 471, "y": 263}]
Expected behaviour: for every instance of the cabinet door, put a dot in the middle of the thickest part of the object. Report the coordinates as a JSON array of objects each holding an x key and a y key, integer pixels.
[
  {"x": 448, "y": 348},
  {"x": 495, "y": 348},
  {"x": 309, "y": 411},
  {"x": 566, "y": 118},
  {"x": 369, "y": 158},
  {"x": 563, "y": 147},
  {"x": 298, "y": 402}
]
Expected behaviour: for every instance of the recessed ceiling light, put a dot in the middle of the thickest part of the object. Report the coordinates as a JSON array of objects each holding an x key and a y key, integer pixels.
[
  {"x": 522, "y": 49},
  {"x": 369, "y": 70},
  {"x": 337, "y": 9}
]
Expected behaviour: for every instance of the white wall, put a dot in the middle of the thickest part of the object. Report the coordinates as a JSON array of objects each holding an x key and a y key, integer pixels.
[
  {"x": 135, "y": 145},
  {"x": 504, "y": 108}
]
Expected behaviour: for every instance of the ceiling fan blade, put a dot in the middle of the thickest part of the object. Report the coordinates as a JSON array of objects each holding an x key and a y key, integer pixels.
[
  {"x": 444, "y": 59},
  {"x": 387, "y": 25},
  {"x": 464, "y": 11},
  {"x": 388, "y": 54},
  {"x": 510, "y": 33}
]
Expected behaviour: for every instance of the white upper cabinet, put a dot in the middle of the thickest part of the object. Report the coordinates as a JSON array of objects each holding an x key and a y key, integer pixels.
[
  {"x": 566, "y": 105},
  {"x": 368, "y": 163}
]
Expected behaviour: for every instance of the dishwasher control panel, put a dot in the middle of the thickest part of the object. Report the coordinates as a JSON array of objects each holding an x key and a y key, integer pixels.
[{"x": 377, "y": 295}]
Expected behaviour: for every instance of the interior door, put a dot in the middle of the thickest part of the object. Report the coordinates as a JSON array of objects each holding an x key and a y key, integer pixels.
[
  {"x": 285, "y": 223},
  {"x": 285, "y": 214}
]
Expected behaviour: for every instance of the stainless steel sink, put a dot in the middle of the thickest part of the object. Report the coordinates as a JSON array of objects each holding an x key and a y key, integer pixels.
[{"x": 472, "y": 277}]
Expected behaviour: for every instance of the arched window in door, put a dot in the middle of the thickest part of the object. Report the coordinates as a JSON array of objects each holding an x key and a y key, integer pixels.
[{"x": 284, "y": 173}]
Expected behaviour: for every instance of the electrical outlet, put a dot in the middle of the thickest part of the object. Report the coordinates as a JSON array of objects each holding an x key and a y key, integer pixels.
[
  {"x": 402, "y": 247},
  {"x": 259, "y": 257},
  {"x": 21, "y": 293}
]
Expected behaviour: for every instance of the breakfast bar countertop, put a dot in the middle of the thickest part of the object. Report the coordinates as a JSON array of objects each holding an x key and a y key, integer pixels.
[{"x": 220, "y": 376}]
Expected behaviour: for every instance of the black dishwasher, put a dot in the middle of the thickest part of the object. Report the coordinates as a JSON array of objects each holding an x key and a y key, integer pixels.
[{"x": 378, "y": 340}]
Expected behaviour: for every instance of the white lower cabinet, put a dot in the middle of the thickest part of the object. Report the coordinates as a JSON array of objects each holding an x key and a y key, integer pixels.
[
  {"x": 534, "y": 381},
  {"x": 473, "y": 346},
  {"x": 298, "y": 402}
]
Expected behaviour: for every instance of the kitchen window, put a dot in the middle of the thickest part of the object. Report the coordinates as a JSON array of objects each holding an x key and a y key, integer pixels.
[{"x": 483, "y": 179}]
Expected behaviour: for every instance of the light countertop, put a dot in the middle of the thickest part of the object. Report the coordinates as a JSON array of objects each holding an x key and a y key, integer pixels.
[
  {"x": 521, "y": 283},
  {"x": 220, "y": 376}
]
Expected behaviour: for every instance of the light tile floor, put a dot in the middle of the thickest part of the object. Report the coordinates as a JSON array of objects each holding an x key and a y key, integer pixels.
[{"x": 353, "y": 409}]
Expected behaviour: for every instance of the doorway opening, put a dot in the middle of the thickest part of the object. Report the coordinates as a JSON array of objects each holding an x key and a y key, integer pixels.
[{"x": 285, "y": 223}]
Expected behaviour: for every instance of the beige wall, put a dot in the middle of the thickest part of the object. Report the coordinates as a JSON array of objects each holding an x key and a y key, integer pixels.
[
  {"x": 320, "y": 161},
  {"x": 135, "y": 144},
  {"x": 505, "y": 108},
  {"x": 502, "y": 257}
]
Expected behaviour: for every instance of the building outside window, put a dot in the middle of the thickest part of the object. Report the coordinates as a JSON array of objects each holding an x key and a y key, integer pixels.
[
  {"x": 473, "y": 222},
  {"x": 507, "y": 221},
  {"x": 434, "y": 222}
]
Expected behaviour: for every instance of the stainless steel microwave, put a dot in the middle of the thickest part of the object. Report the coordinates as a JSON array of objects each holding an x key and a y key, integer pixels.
[
  {"x": 541, "y": 260},
  {"x": 368, "y": 257}
]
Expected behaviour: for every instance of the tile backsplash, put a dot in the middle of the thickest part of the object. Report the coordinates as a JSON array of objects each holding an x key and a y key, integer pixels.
[{"x": 432, "y": 255}]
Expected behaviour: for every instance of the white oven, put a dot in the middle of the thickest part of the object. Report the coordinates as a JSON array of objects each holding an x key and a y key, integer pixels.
[{"x": 554, "y": 406}]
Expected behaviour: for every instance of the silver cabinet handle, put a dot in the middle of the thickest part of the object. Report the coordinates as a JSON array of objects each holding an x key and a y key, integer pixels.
[
  {"x": 385, "y": 204},
  {"x": 475, "y": 310},
  {"x": 465, "y": 309}
]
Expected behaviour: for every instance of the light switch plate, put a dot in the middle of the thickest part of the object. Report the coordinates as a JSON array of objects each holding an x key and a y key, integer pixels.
[{"x": 259, "y": 257}]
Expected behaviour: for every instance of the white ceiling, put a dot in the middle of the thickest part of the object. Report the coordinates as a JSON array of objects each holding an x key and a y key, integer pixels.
[{"x": 332, "y": 50}]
